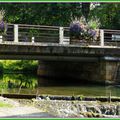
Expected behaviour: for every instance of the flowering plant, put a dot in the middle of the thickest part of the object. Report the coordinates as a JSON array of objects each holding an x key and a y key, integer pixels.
[
  {"x": 85, "y": 31},
  {"x": 2, "y": 23}
]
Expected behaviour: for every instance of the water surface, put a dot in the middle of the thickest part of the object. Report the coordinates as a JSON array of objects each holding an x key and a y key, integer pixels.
[{"x": 32, "y": 84}]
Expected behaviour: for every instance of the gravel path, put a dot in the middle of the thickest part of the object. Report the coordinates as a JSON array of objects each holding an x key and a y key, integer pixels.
[
  {"x": 45, "y": 108},
  {"x": 20, "y": 110}
]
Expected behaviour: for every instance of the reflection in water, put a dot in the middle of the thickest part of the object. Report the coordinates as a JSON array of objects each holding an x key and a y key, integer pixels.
[
  {"x": 17, "y": 83},
  {"x": 30, "y": 84},
  {"x": 20, "y": 80}
]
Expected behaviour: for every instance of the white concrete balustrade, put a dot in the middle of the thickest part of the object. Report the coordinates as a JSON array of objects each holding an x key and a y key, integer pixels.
[{"x": 54, "y": 34}]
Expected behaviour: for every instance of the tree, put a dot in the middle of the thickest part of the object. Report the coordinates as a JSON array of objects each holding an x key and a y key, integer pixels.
[
  {"x": 108, "y": 14},
  {"x": 61, "y": 14},
  {"x": 57, "y": 14},
  {"x": 86, "y": 10}
]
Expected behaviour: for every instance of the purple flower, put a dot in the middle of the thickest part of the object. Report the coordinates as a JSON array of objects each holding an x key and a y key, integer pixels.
[
  {"x": 2, "y": 25},
  {"x": 92, "y": 33},
  {"x": 75, "y": 27}
]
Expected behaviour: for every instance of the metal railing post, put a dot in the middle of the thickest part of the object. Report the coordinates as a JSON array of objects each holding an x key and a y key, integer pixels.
[
  {"x": 33, "y": 39},
  {"x": 1, "y": 38},
  {"x": 102, "y": 38},
  {"x": 15, "y": 33},
  {"x": 61, "y": 35}
]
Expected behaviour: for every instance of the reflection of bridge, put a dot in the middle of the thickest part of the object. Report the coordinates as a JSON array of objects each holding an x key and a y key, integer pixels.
[{"x": 52, "y": 45}]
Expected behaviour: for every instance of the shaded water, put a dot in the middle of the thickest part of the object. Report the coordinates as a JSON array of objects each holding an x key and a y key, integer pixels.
[{"x": 31, "y": 84}]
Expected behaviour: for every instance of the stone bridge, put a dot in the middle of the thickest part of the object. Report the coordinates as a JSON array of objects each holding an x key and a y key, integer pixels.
[{"x": 58, "y": 58}]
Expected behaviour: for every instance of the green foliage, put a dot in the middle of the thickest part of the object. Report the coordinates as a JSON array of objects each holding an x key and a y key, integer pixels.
[
  {"x": 3, "y": 104},
  {"x": 1, "y": 67},
  {"x": 25, "y": 66},
  {"x": 94, "y": 24},
  {"x": 3, "y": 85},
  {"x": 81, "y": 97},
  {"x": 9, "y": 81},
  {"x": 58, "y": 14},
  {"x": 20, "y": 81},
  {"x": 108, "y": 14}
]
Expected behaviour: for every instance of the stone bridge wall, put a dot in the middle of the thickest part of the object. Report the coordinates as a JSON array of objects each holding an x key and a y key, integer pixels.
[{"x": 93, "y": 72}]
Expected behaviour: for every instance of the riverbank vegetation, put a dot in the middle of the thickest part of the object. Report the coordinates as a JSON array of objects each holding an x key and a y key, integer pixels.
[
  {"x": 3, "y": 104},
  {"x": 18, "y": 66},
  {"x": 11, "y": 81}
]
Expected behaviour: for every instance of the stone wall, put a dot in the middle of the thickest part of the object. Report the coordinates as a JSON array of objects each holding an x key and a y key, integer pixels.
[
  {"x": 111, "y": 71},
  {"x": 79, "y": 109},
  {"x": 92, "y": 72}
]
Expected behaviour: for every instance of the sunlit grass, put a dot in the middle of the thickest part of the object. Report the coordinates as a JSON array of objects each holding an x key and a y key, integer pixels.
[{"x": 3, "y": 104}]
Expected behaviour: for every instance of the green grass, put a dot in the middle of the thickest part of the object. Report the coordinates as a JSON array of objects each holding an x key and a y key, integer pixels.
[{"x": 3, "y": 104}]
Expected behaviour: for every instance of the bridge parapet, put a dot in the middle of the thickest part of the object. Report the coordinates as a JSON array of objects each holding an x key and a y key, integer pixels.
[
  {"x": 37, "y": 33},
  {"x": 111, "y": 37},
  {"x": 58, "y": 35}
]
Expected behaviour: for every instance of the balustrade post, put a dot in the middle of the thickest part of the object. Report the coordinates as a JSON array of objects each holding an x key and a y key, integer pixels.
[
  {"x": 102, "y": 38},
  {"x": 15, "y": 33},
  {"x": 33, "y": 39},
  {"x": 1, "y": 38},
  {"x": 61, "y": 35}
]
